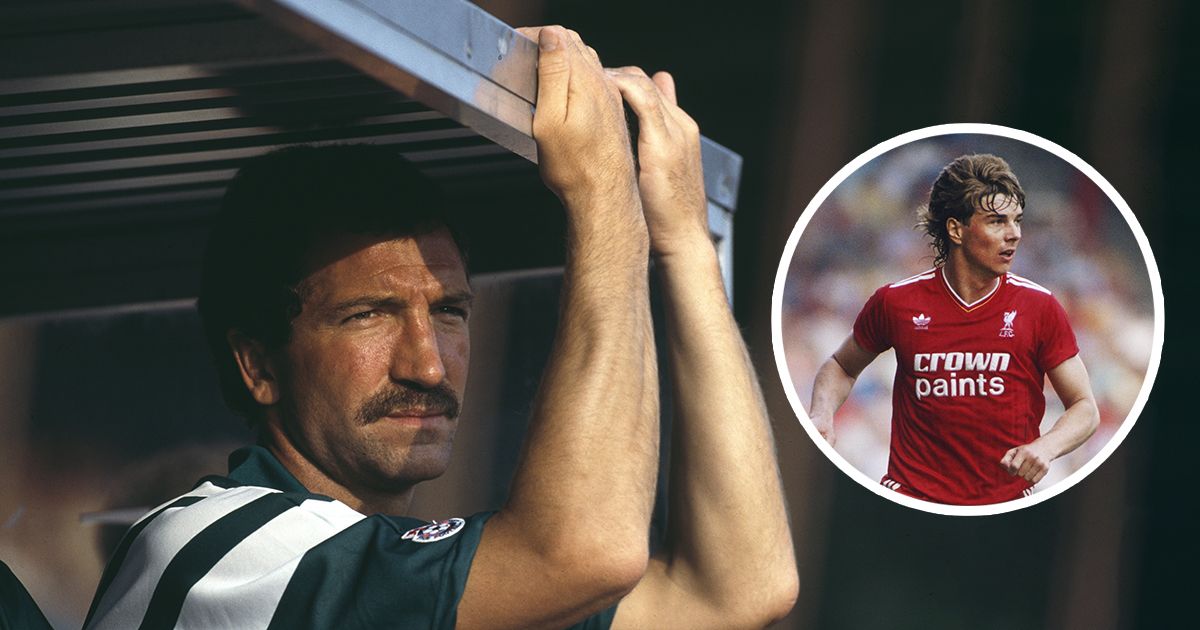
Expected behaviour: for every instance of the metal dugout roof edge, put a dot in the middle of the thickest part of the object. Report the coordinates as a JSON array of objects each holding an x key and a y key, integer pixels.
[{"x": 121, "y": 121}]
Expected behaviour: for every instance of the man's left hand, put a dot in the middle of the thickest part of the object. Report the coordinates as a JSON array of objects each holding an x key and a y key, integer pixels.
[
  {"x": 670, "y": 173},
  {"x": 1030, "y": 461}
]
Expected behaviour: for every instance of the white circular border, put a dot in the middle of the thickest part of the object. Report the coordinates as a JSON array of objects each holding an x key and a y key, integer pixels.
[{"x": 786, "y": 376}]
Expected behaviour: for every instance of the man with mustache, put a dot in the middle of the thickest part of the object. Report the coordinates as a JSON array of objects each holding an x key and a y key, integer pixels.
[
  {"x": 974, "y": 344},
  {"x": 336, "y": 299}
]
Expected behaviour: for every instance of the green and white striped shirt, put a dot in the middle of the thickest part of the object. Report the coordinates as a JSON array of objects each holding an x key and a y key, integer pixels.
[{"x": 257, "y": 550}]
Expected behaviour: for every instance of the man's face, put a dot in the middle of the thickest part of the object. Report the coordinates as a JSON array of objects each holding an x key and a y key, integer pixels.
[
  {"x": 989, "y": 239},
  {"x": 372, "y": 376}
]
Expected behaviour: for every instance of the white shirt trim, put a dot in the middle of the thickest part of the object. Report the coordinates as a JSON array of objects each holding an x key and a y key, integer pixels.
[
  {"x": 964, "y": 302},
  {"x": 924, "y": 275},
  {"x": 1027, "y": 283}
]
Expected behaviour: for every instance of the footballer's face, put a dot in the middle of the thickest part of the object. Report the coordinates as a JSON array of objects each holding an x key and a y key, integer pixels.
[
  {"x": 987, "y": 242},
  {"x": 369, "y": 384}
]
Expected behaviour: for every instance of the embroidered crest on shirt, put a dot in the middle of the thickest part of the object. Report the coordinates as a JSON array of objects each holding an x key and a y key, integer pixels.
[
  {"x": 435, "y": 531},
  {"x": 1007, "y": 329},
  {"x": 921, "y": 322}
]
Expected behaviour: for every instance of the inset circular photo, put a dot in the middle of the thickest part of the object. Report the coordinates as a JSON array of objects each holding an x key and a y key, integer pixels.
[{"x": 967, "y": 319}]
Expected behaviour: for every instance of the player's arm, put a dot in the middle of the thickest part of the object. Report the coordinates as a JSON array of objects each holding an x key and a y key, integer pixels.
[
  {"x": 833, "y": 383},
  {"x": 573, "y": 536},
  {"x": 727, "y": 560},
  {"x": 1070, "y": 381}
]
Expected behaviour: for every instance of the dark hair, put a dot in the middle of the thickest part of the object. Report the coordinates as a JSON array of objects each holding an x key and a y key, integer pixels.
[
  {"x": 968, "y": 183},
  {"x": 275, "y": 210}
]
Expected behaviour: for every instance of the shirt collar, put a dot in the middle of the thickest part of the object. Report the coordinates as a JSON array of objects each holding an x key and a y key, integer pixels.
[{"x": 256, "y": 466}]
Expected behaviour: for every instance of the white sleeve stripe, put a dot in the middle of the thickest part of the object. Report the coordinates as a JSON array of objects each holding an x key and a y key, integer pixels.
[
  {"x": 126, "y": 600},
  {"x": 204, "y": 490},
  {"x": 248, "y": 582},
  {"x": 1035, "y": 287},
  {"x": 122, "y": 550},
  {"x": 917, "y": 278},
  {"x": 1028, "y": 284}
]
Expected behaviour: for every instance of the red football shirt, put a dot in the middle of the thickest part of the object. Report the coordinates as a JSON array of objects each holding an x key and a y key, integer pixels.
[{"x": 969, "y": 381}]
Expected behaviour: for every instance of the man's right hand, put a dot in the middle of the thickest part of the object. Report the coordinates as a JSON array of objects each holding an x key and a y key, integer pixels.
[
  {"x": 832, "y": 385},
  {"x": 824, "y": 425},
  {"x": 579, "y": 124}
]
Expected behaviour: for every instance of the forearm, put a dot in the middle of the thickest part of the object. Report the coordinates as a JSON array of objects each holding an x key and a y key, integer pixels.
[
  {"x": 573, "y": 536},
  {"x": 831, "y": 388},
  {"x": 1072, "y": 429},
  {"x": 1070, "y": 381},
  {"x": 723, "y": 468},
  {"x": 575, "y": 528},
  {"x": 592, "y": 444},
  {"x": 723, "y": 477}
]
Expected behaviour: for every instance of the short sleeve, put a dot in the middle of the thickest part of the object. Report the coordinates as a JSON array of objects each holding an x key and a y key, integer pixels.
[
  {"x": 871, "y": 329},
  {"x": 378, "y": 574},
  {"x": 1056, "y": 343}
]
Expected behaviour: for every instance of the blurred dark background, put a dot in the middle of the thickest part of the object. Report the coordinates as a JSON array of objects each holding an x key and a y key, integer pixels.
[{"x": 799, "y": 89}]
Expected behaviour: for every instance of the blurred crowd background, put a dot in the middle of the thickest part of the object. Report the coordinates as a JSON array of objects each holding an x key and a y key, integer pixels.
[{"x": 1074, "y": 241}]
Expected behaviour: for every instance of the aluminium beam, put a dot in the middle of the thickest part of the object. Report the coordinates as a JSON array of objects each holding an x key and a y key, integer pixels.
[{"x": 455, "y": 57}]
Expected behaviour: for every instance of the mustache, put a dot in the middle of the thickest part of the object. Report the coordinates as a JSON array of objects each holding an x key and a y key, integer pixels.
[{"x": 439, "y": 399}]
